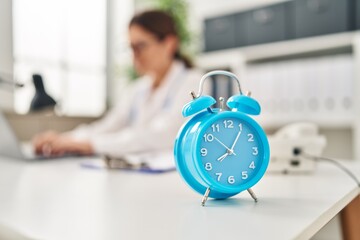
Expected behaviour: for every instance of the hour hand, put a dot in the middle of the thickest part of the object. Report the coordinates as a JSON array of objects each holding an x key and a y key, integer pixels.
[{"x": 222, "y": 157}]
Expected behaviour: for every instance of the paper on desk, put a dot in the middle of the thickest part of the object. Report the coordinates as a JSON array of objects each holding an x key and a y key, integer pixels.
[
  {"x": 154, "y": 160},
  {"x": 160, "y": 161}
]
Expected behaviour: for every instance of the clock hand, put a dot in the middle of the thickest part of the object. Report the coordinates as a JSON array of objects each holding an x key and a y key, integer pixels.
[
  {"x": 236, "y": 139},
  {"x": 229, "y": 150},
  {"x": 222, "y": 157}
]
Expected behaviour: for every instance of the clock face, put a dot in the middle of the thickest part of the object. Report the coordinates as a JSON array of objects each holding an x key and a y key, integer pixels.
[{"x": 231, "y": 151}]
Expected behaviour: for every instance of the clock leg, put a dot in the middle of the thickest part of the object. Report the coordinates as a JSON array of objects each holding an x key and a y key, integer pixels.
[
  {"x": 252, "y": 194},
  {"x": 205, "y": 197}
]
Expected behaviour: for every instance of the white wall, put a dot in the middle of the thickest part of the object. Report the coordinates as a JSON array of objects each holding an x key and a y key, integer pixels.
[
  {"x": 6, "y": 53},
  {"x": 119, "y": 57}
]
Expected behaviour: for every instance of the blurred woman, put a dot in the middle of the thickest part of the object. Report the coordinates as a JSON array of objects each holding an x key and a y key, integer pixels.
[{"x": 149, "y": 115}]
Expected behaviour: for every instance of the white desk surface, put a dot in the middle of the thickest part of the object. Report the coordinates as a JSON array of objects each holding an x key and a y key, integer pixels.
[{"x": 60, "y": 200}]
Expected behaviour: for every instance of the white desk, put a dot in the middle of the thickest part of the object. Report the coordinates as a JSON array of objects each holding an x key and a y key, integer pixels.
[{"x": 60, "y": 200}]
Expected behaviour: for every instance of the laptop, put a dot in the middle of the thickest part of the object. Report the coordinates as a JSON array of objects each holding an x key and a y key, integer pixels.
[{"x": 11, "y": 147}]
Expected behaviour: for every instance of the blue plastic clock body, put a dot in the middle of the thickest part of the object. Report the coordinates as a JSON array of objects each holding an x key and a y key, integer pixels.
[
  {"x": 193, "y": 162},
  {"x": 226, "y": 151}
]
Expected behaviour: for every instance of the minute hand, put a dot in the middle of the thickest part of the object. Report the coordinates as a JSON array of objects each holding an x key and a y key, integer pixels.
[
  {"x": 229, "y": 150},
  {"x": 236, "y": 139}
]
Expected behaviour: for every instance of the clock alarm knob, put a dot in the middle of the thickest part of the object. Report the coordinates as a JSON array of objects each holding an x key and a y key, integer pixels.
[
  {"x": 197, "y": 105},
  {"x": 245, "y": 104}
]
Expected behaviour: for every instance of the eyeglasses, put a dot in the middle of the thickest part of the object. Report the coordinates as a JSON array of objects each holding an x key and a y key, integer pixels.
[{"x": 141, "y": 47}]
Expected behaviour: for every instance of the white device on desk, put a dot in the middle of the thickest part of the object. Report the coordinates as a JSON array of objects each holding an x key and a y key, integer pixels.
[
  {"x": 303, "y": 135},
  {"x": 11, "y": 147}
]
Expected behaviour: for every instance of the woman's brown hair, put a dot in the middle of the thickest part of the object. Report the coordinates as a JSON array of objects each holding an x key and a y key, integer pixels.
[{"x": 161, "y": 24}]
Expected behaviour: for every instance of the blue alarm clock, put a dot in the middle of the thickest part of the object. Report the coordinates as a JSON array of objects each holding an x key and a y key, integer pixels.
[{"x": 221, "y": 152}]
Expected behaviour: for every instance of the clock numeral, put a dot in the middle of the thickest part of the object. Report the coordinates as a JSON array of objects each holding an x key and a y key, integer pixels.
[
  {"x": 228, "y": 124},
  {"x": 231, "y": 179},
  {"x": 252, "y": 165},
  {"x": 219, "y": 174},
  {"x": 240, "y": 126},
  {"x": 250, "y": 137},
  {"x": 215, "y": 127},
  {"x": 208, "y": 137},
  {"x": 255, "y": 151},
  {"x": 208, "y": 166},
  {"x": 244, "y": 175},
  {"x": 203, "y": 152}
]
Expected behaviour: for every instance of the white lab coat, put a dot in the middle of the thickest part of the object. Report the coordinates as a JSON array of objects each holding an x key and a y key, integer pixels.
[{"x": 144, "y": 121}]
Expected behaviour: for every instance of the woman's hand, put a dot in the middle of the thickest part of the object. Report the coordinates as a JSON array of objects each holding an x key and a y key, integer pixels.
[
  {"x": 66, "y": 144},
  {"x": 43, "y": 141},
  {"x": 54, "y": 144}
]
